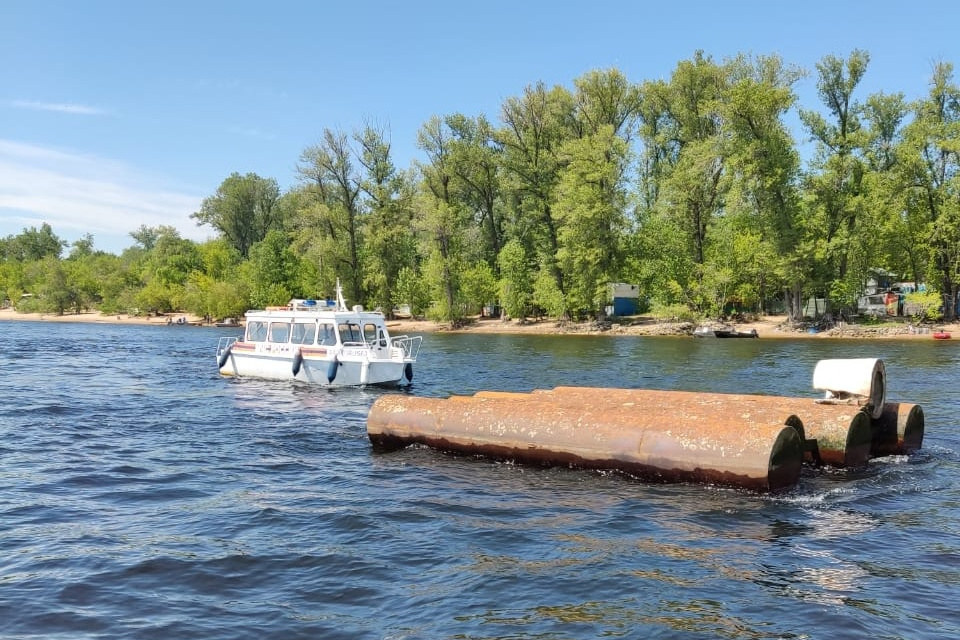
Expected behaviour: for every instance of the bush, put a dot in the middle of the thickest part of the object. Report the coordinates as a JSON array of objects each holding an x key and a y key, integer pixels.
[
  {"x": 673, "y": 313},
  {"x": 927, "y": 305}
]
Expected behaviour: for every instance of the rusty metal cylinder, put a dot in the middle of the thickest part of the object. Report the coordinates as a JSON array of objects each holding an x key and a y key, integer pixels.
[
  {"x": 898, "y": 430},
  {"x": 726, "y": 407},
  {"x": 842, "y": 434},
  {"x": 836, "y": 434},
  {"x": 668, "y": 440}
]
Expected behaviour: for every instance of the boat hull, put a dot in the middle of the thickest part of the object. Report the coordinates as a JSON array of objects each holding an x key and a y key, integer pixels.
[
  {"x": 323, "y": 344},
  {"x": 706, "y": 332},
  {"x": 324, "y": 367}
]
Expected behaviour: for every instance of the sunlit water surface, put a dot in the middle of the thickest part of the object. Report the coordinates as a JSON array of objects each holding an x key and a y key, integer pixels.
[{"x": 144, "y": 496}]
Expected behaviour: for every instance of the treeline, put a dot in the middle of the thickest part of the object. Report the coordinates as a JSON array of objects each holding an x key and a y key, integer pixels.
[{"x": 692, "y": 187}]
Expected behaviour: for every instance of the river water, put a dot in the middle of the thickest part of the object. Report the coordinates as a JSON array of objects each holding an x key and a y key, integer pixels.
[{"x": 144, "y": 496}]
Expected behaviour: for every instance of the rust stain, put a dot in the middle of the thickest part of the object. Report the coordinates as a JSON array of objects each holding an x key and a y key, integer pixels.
[
  {"x": 750, "y": 441},
  {"x": 683, "y": 444}
]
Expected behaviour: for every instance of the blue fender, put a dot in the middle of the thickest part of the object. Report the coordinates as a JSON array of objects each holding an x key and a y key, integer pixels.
[
  {"x": 297, "y": 361},
  {"x": 332, "y": 370},
  {"x": 224, "y": 357}
]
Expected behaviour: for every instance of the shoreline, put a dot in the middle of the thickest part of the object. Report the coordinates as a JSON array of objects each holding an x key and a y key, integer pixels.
[
  {"x": 767, "y": 327},
  {"x": 9, "y": 314}
]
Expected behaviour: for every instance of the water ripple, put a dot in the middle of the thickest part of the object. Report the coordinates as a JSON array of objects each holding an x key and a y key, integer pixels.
[{"x": 146, "y": 497}]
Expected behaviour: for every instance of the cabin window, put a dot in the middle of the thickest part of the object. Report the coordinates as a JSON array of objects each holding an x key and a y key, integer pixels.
[
  {"x": 279, "y": 331},
  {"x": 303, "y": 333},
  {"x": 256, "y": 331},
  {"x": 370, "y": 333},
  {"x": 350, "y": 332},
  {"x": 327, "y": 335}
]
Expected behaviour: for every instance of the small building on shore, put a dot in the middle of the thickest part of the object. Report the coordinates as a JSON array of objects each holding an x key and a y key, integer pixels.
[{"x": 625, "y": 299}]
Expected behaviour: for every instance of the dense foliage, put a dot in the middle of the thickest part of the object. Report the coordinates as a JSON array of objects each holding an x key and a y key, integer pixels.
[{"x": 692, "y": 187}]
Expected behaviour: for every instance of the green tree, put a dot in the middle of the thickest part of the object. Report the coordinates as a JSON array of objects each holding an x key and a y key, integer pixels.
[
  {"x": 410, "y": 290},
  {"x": 218, "y": 258},
  {"x": 929, "y": 165},
  {"x": 474, "y": 165},
  {"x": 547, "y": 296},
  {"x": 96, "y": 275},
  {"x": 111, "y": 277},
  {"x": 835, "y": 185},
  {"x": 57, "y": 293},
  {"x": 242, "y": 210},
  {"x": 681, "y": 128},
  {"x": 534, "y": 128},
  {"x": 215, "y": 290},
  {"x": 389, "y": 243},
  {"x": 335, "y": 207},
  {"x": 901, "y": 238},
  {"x": 479, "y": 286},
  {"x": 165, "y": 269},
  {"x": 146, "y": 237},
  {"x": 173, "y": 259},
  {"x": 32, "y": 244},
  {"x": 761, "y": 247},
  {"x": 155, "y": 297},
  {"x": 441, "y": 226},
  {"x": 271, "y": 271},
  {"x": 442, "y": 221},
  {"x": 591, "y": 196},
  {"x": 12, "y": 281},
  {"x": 516, "y": 280},
  {"x": 209, "y": 298},
  {"x": 591, "y": 221}
]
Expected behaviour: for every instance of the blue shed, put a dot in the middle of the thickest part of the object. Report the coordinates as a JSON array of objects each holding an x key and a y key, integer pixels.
[{"x": 626, "y": 298}]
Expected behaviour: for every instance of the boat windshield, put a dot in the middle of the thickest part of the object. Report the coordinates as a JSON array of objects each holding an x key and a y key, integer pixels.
[
  {"x": 256, "y": 331},
  {"x": 370, "y": 333},
  {"x": 279, "y": 331},
  {"x": 303, "y": 332},
  {"x": 327, "y": 335},
  {"x": 350, "y": 332}
]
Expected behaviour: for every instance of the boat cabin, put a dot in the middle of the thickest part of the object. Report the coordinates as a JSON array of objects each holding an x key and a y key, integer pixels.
[{"x": 304, "y": 322}]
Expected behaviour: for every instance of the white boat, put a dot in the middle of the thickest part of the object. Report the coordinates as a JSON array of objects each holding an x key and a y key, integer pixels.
[{"x": 320, "y": 342}]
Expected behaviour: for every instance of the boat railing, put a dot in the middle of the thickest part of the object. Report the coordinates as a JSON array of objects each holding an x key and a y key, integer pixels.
[
  {"x": 224, "y": 343},
  {"x": 410, "y": 346}
]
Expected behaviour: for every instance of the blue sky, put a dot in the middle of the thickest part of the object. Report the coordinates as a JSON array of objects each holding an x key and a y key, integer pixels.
[{"x": 115, "y": 114}]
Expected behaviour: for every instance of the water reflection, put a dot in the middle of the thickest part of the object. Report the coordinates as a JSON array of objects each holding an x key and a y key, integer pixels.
[{"x": 838, "y": 523}]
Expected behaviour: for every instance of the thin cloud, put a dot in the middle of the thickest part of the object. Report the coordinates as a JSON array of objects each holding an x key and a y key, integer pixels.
[
  {"x": 77, "y": 194},
  {"x": 59, "y": 107}
]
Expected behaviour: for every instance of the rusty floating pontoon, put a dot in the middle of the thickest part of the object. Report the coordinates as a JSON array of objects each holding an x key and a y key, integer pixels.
[
  {"x": 749, "y": 441},
  {"x": 655, "y": 444}
]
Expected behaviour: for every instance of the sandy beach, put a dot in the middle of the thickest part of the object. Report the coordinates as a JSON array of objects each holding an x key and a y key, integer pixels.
[
  {"x": 766, "y": 327},
  {"x": 10, "y": 314}
]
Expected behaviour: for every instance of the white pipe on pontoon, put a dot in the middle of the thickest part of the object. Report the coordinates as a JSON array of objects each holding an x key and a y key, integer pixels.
[{"x": 855, "y": 379}]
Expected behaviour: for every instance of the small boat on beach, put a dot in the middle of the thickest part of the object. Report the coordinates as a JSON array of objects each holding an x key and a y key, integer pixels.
[
  {"x": 320, "y": 342},
  {"x": 705, "y": 331},
  {"x": 941, "y": 335}
]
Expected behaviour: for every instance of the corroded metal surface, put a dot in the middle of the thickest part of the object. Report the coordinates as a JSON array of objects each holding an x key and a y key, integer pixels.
[
  {"x": 744, "y": 440},
  {"x": 842, "y": 432},
  {"x": 898, "y": 430},
  {"x": 667, "y": 438},
  {"x": 722, "y": 406}
]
